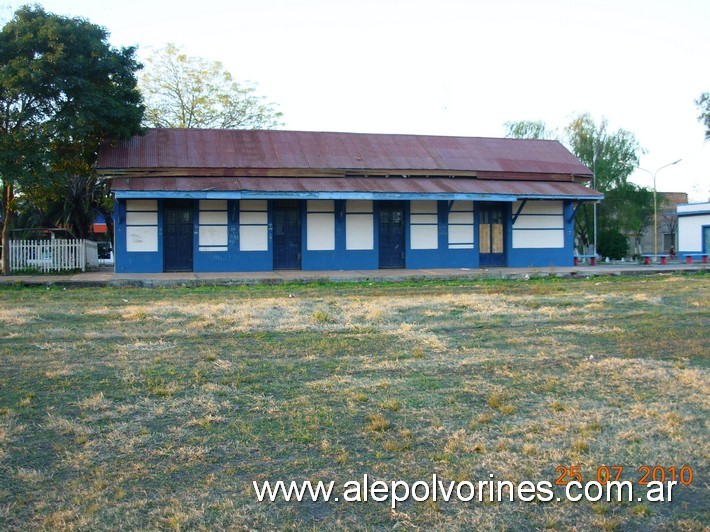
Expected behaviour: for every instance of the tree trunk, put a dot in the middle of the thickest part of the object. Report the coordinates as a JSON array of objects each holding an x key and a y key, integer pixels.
[{"x": 8, "y": 197}]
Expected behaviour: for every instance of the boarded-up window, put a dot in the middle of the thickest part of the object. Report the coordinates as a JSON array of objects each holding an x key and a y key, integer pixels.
[
  {"x": 424, "y": 225},
  {"x": 320, "y": 225},
  {"x": 540, "y": 224},
  {"x": 213, "y": 230},
  {"x": 359, "y": 225},
  {"x": 253, "y": 225},
  {"x": 141, "y": 225},
  {"x": 461, "y": 225}
]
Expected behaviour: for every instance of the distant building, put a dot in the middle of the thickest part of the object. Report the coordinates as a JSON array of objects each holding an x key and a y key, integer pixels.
[
  {"x": 667, "y": 223},
  {"x": 693, "y": 228},
  {"x": 235, "y": 200}
]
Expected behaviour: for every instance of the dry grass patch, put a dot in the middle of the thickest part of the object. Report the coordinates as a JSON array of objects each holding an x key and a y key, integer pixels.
[{"x": 146, "y": 409}]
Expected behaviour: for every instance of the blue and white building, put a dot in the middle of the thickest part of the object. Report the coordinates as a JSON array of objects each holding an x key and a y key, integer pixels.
[
  {"x": 693, "y": 229},
  {"x": 236, "y": 200}
]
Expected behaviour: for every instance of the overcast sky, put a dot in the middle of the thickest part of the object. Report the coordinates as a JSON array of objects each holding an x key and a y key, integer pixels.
[{"x": 453, "y": 67}]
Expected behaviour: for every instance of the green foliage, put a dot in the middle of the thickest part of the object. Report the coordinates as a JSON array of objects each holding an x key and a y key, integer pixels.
[
  {"x": 612, "y": 156},
  {"x": 704, "y": 104},
  {"x": 627, "y": 208},
  {"x": 183, "y": 91},
  {"x": 613, "y": 244},
  {"x": 529, "y": 129},
  {"x": 63, "y": 90}
]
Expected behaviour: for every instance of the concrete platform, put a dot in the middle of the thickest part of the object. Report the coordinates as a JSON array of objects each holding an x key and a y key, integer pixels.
[{"x": 110, "y": 278}]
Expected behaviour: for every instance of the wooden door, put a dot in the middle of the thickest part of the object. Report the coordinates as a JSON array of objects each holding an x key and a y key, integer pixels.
[{"x": 491, "y": 235}]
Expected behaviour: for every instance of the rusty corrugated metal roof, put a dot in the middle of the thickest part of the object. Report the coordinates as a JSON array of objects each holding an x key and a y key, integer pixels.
[
  {"x": 375, "y": 185},
  {"x": 210, "y": 152}
]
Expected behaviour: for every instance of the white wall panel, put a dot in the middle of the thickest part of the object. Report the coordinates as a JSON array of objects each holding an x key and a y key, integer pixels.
[
  {"x": 690, "y": 232},
  {"x": 253, "y": 238},
  {"x": 462, "y": 205},
  {"x": 460, "y": 225},
  {"x": 253, "y": 205},
  {"x": 213, "y": 235},
  {"x": 538, "y": 239},
  {"x": 358, "y": 206},
  {"x": 539, "y": 222},
  {"x": 253, "y": 225},
  {"x": 424, "y": 237},
  {"x": 423, "y": 219},
  {"x": 141, "y": 218},
  {"x": 539, "y": 207},
  {"x": 320, "y": 206},
  {"x": 461, "y": 217},
  {"x": 250, "y": 218},
  {"x": 142, "y": 238},
  {"x": 320, "y": 231},
  {"x": 423, "y": 207},
  {"x": 213, "y": 205},
  {"x": 213, "y": 218},
  {"x": 141, "y": 205},
  {"x": 359, "y": 231},
  {"x": 460, "y": 236},
  {"x": 141, "y": 227}
]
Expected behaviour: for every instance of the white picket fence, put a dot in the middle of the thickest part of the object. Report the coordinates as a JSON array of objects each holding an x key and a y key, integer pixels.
[{"x": 53, "y": 255}]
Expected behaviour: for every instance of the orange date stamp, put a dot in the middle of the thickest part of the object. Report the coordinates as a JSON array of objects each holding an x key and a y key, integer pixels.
[{"x": 643, "y": 474}]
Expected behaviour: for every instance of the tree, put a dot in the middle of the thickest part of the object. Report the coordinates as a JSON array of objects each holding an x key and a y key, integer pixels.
[
  {"x": 612, "y": 157},
  {"x": 63, "y": 89},
  {"x": 192, "y": 92},
  {"x": 627, "y": 209},
  {"x": 704, "y": 104},
  {"x": 529, "y": 129}
]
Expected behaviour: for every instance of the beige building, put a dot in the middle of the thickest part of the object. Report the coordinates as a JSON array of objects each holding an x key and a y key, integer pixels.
[{"x": 667, "y": 224}]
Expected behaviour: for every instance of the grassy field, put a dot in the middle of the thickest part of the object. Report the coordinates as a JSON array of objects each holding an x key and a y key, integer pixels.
[{"x": 157, "y": 408}]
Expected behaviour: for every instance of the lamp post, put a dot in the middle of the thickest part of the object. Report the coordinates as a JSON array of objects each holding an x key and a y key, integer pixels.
[{"x": 655, "y": 202}]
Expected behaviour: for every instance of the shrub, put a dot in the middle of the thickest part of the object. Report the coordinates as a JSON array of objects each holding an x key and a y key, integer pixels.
[{"x": 613, "y": 244}]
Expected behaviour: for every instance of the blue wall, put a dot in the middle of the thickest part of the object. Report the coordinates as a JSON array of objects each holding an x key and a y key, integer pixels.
[
  {"x": 545, "y": 257},
  {"x": 136, "y": 262},
  {"x": 339, "y": 258},
  {"x": 443, "y": 257},
  {"x": 234, "y": 260},
  {"x": 231, "y": 260}
]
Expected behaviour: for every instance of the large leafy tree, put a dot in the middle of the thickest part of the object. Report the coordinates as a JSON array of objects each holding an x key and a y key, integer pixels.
[
  {"x": 704, "y": 104},
  {"x": 627, "y": 209},
  {"x": 63, "y": 90},
  {"x": 192, "y": 92},
  {"x": 612, "y": 156}
]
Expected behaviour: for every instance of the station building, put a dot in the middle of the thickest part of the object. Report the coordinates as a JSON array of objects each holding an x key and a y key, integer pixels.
[{"x": 244, "y": 200}]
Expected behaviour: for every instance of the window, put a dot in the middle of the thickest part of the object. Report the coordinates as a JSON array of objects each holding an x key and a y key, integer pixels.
[
  {"x": 424, "y": 225},
  {"x": 213, "y": 230},
  {"x": 141, "y": 225},
  {"x": 359, "y": 225},
  {"x": 253, "y": 225},
  {"x": 461, "y": 225},
  {"x": 320, "y": 225}
]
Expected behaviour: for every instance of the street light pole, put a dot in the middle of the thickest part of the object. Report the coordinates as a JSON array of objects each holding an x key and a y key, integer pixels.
[{"x": 655, "y": 202}]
